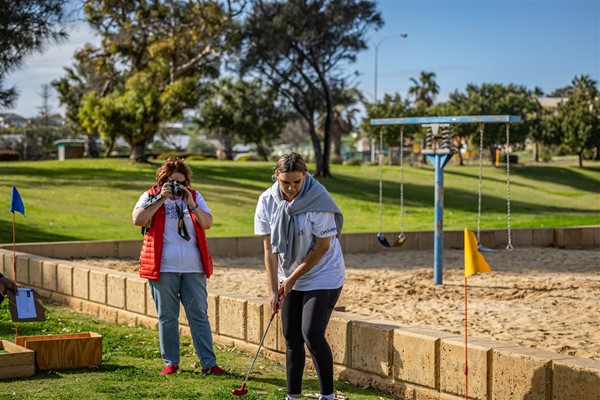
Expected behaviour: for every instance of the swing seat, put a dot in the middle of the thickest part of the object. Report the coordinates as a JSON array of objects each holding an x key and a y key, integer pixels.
[
  {"x": 400, "y": 240},
  {"x": 483, "y": 248},
  {"x": 397, "y": 243},
  {"x": 383, "y": 241}
]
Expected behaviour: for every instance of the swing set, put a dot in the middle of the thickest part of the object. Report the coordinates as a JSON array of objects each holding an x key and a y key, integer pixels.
[{"x": 439, "y": 151}]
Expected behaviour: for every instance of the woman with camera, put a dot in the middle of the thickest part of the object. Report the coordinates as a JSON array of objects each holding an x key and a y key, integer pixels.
[{"x": 176, "y": 261}]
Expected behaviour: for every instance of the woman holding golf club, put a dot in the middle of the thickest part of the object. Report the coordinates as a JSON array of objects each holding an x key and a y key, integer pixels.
[
  {"x": 176, "y": 261},
  {"x": 300, "y": 225}
]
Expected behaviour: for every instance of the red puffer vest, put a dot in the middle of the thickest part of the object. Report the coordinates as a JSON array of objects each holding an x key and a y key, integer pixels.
[{"x": 153, "y": 243}]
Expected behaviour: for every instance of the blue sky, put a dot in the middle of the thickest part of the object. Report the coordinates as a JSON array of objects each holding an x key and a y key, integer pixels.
[{"x": 534, "y": 43}]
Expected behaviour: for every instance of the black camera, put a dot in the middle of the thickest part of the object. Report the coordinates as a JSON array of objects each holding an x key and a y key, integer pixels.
[{"x": 176, "y": 188}]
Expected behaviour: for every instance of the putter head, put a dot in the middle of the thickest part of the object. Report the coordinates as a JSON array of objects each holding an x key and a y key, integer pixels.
[
  {"x": 383, "y": 241},
  {"x": 241, "y": 391},
  {"x": 399, "y": 241}
]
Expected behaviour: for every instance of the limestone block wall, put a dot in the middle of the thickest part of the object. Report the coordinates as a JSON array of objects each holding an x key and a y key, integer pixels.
[
  {"x": 246, "y": 246},
  {"x": 408, "y": 362}
]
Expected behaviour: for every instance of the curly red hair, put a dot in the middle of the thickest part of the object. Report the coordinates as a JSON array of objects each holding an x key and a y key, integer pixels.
[{"x": 172, "y": 165}]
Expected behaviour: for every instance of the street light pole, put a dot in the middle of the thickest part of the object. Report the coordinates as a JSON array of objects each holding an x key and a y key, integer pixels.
[
  {"x": 401, "y": 35},
  {"x": 376, "y": 45}
]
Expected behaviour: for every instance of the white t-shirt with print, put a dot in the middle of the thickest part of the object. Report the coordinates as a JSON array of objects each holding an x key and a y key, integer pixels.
[
  {"x": 329, "y": 272},
  {"x": 179, "y": 255}
]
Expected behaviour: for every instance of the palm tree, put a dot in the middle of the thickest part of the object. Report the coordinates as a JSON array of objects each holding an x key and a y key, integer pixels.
[{"x": 425, "y": 89}]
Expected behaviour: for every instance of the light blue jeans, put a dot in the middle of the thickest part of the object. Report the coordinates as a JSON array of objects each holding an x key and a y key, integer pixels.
[{"x": 190, "y": 289}]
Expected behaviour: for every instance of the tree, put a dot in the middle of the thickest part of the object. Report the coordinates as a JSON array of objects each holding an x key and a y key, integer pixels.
[
  {"x": 344, "y": 116},
  {"x": 88, "y": 74},
  {"x": 392, "y": 106},
  {"x": 248, "y": 111},
  {"x": 299, "y": 48},
  {"x": 560, "y": 92},
  {"x": 496, "y": 99},
  {"x": 295, "y": 134},
  {"x": 27, "y": 27},
  {"x": 259, "y": 116},
  {"x": 162, "y": 55},
  {"x": 45, "y": 107},
  {"x": 576, "y": 123},
  {"x": 424, "y": 90}
]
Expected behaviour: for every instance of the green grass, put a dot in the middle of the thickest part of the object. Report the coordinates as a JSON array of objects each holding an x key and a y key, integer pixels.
[
  {"x": 93, "y": 199},
  {"x": 131, "y": 364}
]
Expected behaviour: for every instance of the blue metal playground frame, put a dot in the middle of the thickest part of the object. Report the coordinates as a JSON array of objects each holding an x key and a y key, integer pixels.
[{"x": 439, "y": 159}]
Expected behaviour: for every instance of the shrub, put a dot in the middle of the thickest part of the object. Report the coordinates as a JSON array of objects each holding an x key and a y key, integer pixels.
[
  {"x": 336, "y": 160},
  {"x": 166, "y": 155},
  {"x": 353, "y": 162},
  {"x": 248, "y": 157},
  {"x": 200, "y": 157}
]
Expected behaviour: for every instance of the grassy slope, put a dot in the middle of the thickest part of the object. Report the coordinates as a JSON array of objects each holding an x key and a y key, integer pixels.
[{"x": 93, "y": 199}]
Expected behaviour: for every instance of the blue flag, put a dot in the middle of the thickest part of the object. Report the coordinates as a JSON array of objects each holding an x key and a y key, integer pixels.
[{"x": 16, "y": 203}]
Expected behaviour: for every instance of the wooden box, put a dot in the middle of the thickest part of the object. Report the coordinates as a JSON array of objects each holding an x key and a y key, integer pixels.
[
  {"x": 15, "y": 361},
  {"x": 65, "y": 351}
]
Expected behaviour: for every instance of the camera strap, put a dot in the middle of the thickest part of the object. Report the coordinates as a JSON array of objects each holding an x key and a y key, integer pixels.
[{"x": 181, "y": 228}]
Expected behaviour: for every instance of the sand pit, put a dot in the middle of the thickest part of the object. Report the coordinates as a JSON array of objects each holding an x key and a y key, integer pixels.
[{"x": 545, "y": 298}]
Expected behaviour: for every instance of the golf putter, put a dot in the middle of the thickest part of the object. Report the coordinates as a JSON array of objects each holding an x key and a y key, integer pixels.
[{"x": 242, "y": 391}]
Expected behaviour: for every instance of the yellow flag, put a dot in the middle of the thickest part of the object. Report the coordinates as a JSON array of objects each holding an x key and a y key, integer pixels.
[{"x": 474, "y": 261}]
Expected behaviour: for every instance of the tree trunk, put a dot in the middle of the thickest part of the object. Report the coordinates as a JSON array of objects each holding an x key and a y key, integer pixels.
[
  {"x": 336, "y": 142},
  {"x": 228, "y": 147},
  {"x": 536, "y": 152},
  {"x": 263, "y": 151},
  {"x": 493, "y": 156},
  {"x": 581, "y": 158},
  {"x": 90, "y": 150},
  {"x": 109, "y": 147},
  {"x": 316, "y": 146},
  {"x": 325, "y": 172},
  {"x": 138, "y": 152}
]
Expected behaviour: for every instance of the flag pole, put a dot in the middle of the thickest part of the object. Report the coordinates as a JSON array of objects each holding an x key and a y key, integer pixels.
[
  {"x": 14, "y": 232},
  {"x": 474, "y": 263},
  {"x": 466, "y": 348}
]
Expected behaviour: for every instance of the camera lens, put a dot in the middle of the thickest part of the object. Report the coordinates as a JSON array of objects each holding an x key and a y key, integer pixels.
[{"x": 176, "y": 189}]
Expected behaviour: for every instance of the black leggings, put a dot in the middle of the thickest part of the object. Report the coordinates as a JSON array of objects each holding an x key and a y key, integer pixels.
[{"x": 305, "y": 316}]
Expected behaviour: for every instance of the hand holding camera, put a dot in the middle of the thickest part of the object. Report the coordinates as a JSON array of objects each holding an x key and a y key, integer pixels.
[{"x": 175, "y": 189}]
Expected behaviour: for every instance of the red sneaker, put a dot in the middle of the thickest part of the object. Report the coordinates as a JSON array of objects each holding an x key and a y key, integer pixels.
[
  {"x": 170, "y": 369},
  {"x": 216, "y": 370}
]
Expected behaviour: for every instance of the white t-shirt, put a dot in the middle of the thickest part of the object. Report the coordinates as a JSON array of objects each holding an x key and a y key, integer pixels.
[
  {"x": 329, "y": 272},
  {"x": 179, "y": 255}
]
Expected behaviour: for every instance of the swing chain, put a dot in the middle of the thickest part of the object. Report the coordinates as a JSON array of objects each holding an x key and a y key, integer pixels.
[
  {"x": 480, "y": 181},
  {"x": 380, "y": 156},
  {"x": 509, "y": 246},
  {"x": 401, "y": 179}
]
